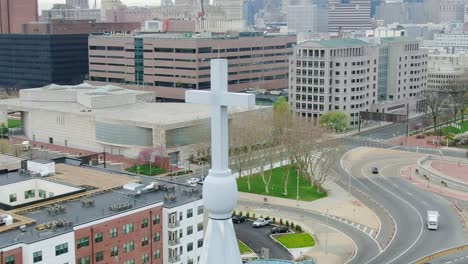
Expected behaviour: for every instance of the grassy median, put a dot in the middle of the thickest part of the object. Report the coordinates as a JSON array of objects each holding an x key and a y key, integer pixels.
[
  {"x": 243, "y": 248},
  {"x": 299, "y": 240},
  {"x": 306, "y": 191}
]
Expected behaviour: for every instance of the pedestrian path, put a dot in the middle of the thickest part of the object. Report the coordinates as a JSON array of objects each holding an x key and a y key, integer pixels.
[{"x": 368, "y": 230}]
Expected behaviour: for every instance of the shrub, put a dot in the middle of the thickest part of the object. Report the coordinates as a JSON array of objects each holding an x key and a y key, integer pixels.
[
  {"x": 287, "y": 223},
  {"x": 247, "y": 215},
  {"x": 240, "y": 213},
  {"x": 253, "y": 215},
  {"x": 273, "y": 220},
  {"x": 281, "y": 221},
  {"x": 233, "y": 213},
  {"x": 292, "y": 225},
  {"x": 298, "y": 228}
]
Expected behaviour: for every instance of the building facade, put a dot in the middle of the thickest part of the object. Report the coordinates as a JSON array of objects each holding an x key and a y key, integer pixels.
[
  {"x": 349, "y": 15},
  {"x": 445, "y": 69},
  {"x": 62, "y": 26},
  {"x": 14, "y": 13},
  {"x": 38, "y": 60},
  {"x": 169, "y": 64},
  {"x": 454, "y": 41},
  {"x": 71, "y": 14},
  {"x": 303, "y": 17},
  {"x": 402, "y": 74},
  {"x": 332, "y": 75},
  {"x": 79, "y": 4}
]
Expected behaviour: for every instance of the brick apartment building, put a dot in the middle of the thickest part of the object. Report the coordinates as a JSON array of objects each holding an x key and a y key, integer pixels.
[
  {"x": 170, "y": 63},
  {"x": 94, "y": 216},
  {"x": 14, "y": 13}
]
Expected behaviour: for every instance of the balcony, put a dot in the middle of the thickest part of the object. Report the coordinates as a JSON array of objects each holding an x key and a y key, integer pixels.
[
  {"x": 173, "y": 224},
  {"x": 174, "y": 259},
  {"x": 174, "y": 242}
]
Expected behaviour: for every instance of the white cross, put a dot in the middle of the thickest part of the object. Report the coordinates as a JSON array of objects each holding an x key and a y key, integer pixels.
[
  {"x": 220, "y": 188},
  {"x": 220, "y": 99}
]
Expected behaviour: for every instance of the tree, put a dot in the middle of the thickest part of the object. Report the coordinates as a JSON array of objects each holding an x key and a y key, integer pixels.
[
  {"x": 335, "y": 120},
  {"x": 435, "y": 102},
  {"x": 3, "y": 128},
  {"x": 149, "y": 155}
]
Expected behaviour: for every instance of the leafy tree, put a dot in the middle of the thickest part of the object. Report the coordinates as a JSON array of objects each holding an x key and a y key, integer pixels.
[{"x": 335, "y": 120}]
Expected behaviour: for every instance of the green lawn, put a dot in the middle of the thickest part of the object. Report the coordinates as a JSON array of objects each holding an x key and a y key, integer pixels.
[
  {"x": 12, "y": 123},
  {"x": 306, "y": 192},
  {"x": 145, "y": 170},
  {"x": 296, "y": 240},
  {"x": 450, "y": 129},
  {"x": 243, "y": 248}
]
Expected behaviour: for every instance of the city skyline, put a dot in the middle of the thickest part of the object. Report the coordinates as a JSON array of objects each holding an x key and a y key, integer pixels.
[{"x": 47, "y": 4}]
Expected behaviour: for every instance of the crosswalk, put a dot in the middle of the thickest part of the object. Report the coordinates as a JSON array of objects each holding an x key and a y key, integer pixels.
[{"x": 369, "y": 231}]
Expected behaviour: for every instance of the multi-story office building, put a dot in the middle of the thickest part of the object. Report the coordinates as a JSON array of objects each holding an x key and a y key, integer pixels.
[
  {"x": 444, "y": 69},
  {"x": 71, "y": 14},
  {"x": 62, "y": 26},
  {"x": 349, "y": 15},
  {"x": 455, "y": 41},
  {"x": 80, "y": 4},
  {"x": 303, "y": 17},
  {"x": 331, "y": 75},
  {"x": 38, "y": 60},
  {"x": 169, "y": 64},
  {"x": 402, "y": 74},
  {"x": 64, "y": 222},
  {"x": 451, "y": 11},
  {"x": 14, "y": 13}
]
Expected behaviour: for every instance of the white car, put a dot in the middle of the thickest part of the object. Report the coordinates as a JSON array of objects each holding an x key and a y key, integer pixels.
[
  {"x": 193, "y": 181},
  {"x": 261, "y": 222}
]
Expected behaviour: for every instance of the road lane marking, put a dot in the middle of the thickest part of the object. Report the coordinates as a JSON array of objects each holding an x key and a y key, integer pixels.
[
  {"x": 410, "y": 194},
  {"x": 365, "y": 229},
  {"x": 423, "y": 202}
]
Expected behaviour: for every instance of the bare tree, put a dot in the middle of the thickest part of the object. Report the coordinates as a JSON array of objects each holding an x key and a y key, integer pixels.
[{"x": 435, "y": 102}]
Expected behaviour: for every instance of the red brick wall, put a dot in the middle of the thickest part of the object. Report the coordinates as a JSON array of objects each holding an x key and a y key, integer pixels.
[
  {"x": 136, "y": 236},
  {"x": 17, "y": 252}
]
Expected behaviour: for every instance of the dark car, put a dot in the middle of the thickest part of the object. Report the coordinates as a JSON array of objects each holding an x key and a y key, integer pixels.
[
  {"x": 279, "y": 230},
  {"x": 375, "y": 170},
  {"x": 238, "y": 219}
]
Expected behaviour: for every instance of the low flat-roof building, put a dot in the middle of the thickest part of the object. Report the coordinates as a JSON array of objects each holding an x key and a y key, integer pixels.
[
  {"x": 101, "y": 221},
  {"x": 83, "y": 26},
  {"x": 111, "y": 119}
]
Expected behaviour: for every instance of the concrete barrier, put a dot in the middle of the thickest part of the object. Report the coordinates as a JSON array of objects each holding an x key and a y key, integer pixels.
[{"x": 436, "y": 177}]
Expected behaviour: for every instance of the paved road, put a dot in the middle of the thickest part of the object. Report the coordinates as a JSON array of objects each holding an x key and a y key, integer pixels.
[
  {"x": 258, "y": 238},
  {"x": 367, "y": 247},
  {"x": 407, "y": 205},
  {"x": 457, "y": 258},
  {"x": 390, "y": 131}
]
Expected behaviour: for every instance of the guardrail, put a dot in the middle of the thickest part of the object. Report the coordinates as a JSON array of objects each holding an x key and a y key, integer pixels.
[{"x": 433, "y": 176}]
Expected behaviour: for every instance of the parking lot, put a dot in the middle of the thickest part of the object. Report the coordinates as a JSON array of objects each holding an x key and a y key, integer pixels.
[{"x": 258, "y": 238}]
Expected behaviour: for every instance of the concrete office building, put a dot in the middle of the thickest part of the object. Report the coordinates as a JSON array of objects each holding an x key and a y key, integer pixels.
[
  {"x": 445, "y": 68},
  {"x": 331, "y": 75},
  {"x": 169, "y": 64},
  {"x": 112, "y": 119},
  {"x": 303, "y": 17},
  {"x": 71, "y": 14},
  {"x": 402, "y": 74},
  {"x": 14, "y": 13},
  {"x": 38, "y": 60},
  {"x": 79, "y": 4},
  {"x": 451, "y": 11},
  {"x": 350, "y": 15},
  {"x": 62, "y": 26},
  {"x": 108, "y": 222},
  {"x": 454, "y": 41}
]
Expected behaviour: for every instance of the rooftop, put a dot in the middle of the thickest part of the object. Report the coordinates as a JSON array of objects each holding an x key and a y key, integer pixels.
[
  {"x": 398, "y": 40},
  {"x": 335, "y": 43},
  {"x": 193, "y": 36},
  {"x": 102, "y": 199}
]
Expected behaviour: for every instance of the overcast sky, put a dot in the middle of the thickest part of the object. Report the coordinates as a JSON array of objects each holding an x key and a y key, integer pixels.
[{"x": 47, "y": 4}]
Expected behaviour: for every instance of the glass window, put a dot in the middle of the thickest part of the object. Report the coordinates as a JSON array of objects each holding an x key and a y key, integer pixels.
[
  {"x": 189, "y": 213},
  {"x": 113, "y": 232},
  {"x": 200, "y": 243},
  {"x": 156, "y": 219},
  {"x": 84, "y": 260},
  {"x": 130, "y": 246},
  {"x": 144, "y": 241},
  {"x": 145, "y": 258},
  {"x": 98, "y": 237},
  {"x": 114, "y": 251},
  {"x": 10, "y": 260},
  {"x": 83, "y": 242},
  {"x": 61, "y": 249},
  {"x": 37, "y": 256},
  {"x": 156, "y": 254},
  {"x": 200, "y": 226},
  {"x": 189, "y": 247},
  {"x": 189, "y": 230},
  {"x": 130, "y": 261},
  {"x": 13, "y": 198},
  {"x": 156, "y": 237},
  {"x": 99, "y": 256},
  {"x": 128, "y": 228},
  {"x": 200, "y": 210},
  {"x": 29, "y": 194},
  {"x": 144, "y": 223}
]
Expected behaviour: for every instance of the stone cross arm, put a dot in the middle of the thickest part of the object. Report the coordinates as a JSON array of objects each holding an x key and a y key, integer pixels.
[{"x": 220, "y": 99}]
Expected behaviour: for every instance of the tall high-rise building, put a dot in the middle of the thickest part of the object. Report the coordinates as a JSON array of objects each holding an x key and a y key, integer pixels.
[
  {"x": 14, "y": 13},
  {"x": 79, "y": 4},
  {"x": 302, "y": 17},
  {"x": 349, "y": 15},
  {"x": 327, "y": 75}
]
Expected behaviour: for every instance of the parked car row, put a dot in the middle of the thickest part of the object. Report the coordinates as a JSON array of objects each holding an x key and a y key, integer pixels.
[{"x": 260, "y": 222}]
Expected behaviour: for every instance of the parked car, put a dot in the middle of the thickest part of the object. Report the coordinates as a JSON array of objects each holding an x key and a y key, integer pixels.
[
  {"x": 236, "y": 219},
  {"x": 193, "y": 181},
  {"x": 375, "y": 170},
  {"x": 260, "y": 222},
  {"x": 279, "y": 230}
]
